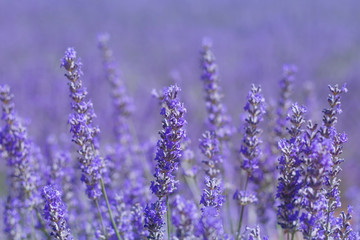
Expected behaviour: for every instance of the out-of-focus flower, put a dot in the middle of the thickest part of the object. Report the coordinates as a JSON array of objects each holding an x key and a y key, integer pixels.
[{"x": 55, "y": 213}]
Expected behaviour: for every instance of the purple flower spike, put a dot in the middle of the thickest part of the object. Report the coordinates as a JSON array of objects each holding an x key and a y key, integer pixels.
[
  {"x": 289, "y": 165},
  {"x": 154, "y": 219},
  {"x": 55, "y": 213},
  {"x": 284, "y": 103},
  {"x": 337, "y": 140},
  {"x": 213, "y": 191},
  {"x": 17, "y": 148},
  {"x": 169, "y": 146},
  {"x": 250, "y": 148},
  {"x": 167, "y": 158},
  {"x": 84, "y": 133},
  {"x": 184, "y": 217},
  {"x": 218, "y": 119},
  {"x": 122, "y": 103}
]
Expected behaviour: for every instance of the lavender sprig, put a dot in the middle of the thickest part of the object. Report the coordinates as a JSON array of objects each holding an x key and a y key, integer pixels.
[
  {"x": 84, "y": 134},
  {"x": 213, "y": 192},
  {"x": 12, "y": 226},
  {"x": 122, "y": 103},
  {"x": 167, "y": 158},
  {"x": 17, "y": 147},
  {"x": 289, "y": 183},
  {"x": 18, "y": 150},
  {"x": 55, "y": 213},
  {"x": 284, "y": 102},
  {"x": 316, "y": 164},
  {"x": 328, "y": 131},
  {"x": 250, "y": 148},
  {"x": 184, "y": 217},
  {"x": 218, "y": 119}
]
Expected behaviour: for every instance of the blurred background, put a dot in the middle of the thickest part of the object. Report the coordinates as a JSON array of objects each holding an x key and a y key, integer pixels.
[{"x": 159, "y": 42}]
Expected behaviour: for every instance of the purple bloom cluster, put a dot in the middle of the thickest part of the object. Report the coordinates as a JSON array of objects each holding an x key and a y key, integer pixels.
[
  {"x": 250, "y": 148},
  {"x": 84, "y": 133},
  {"x": 55, "y": 213},
  {"x": 218, "y": 119},
  {"x": 169, "y": 145},
  {"x": 287, "y": 183}
]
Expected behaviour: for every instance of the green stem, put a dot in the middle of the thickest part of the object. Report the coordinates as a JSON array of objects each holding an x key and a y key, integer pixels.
[
  {"x": 33, "y": 226},
  {"x": 293, "y": 235},
  {"x": 242, "y": 211},
  {"x": 229, "y": 214},
  {"x": 100, "y": 216},
  {"x": 168, "y": 220},
  {"x": 109, "y": 209}
]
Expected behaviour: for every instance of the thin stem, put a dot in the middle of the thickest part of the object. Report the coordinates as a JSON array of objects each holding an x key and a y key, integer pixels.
[
  {"x": 100, "y": 216},
  {"x": 33, "y": 226},
  {"x": 109, "y": 209},
  {"x": 229, "y": 213},
  {"x": 242, "y": 209},
  {"x": 168, "y": 220}
]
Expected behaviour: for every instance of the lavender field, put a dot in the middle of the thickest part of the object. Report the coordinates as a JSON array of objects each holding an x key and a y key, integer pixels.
[{"x": 179, "y": 120}]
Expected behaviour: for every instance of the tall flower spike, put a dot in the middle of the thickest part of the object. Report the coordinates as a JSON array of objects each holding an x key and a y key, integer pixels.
[
  {"x": 213, "y": 192},
  {"x": 55, "y": 213},
  {"x": 218, "y": 119},
  {"x": 250, "y": 148},
  {"x": 121, "y": 101},
  {"x": 84, "y": 133},
  {"x": 289, "y": 183},
  {"x": 328, "y": 132},
  {"x": 169, "y": 146},
  {"x": 284, "y": 102},
  {"x": 167, "y": 159},
  {"x": 154, "y": 219},
  {"x": 16, "y": 147},
  {"x": 316, "y": 163}
]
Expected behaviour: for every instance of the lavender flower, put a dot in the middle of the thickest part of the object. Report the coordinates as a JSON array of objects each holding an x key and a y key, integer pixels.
[
  {"x": 213, "y": 191},
  {"x": 218, "y": 119},
  {"x": 16, "y": 148},
  {"x": 250, "y": 148},
  {"x": 184, "y": 217},
  {"x": 138, "y": 221},
  {"x": 244, "y": 198},
  {"x": 289, "y": 165},
  {"x": 169, "y": 146},
  {"x": 122, "y": 103},
  {"x": 84, "y": 133},
  {"x": 255, "y": 234},
  {"x": 154, "y": 219},
  {"x": 55, "y": 213},
  {"x": 12, "y": 218},
  {"x": 284, "y": 102},
  {"x": 316, "y": 163},
  {"x": 167, "y": 160},
  {"x": 343, "y": 229},
  {"x": 210, "y": 226},
  {"x": 328, "y": 132}
]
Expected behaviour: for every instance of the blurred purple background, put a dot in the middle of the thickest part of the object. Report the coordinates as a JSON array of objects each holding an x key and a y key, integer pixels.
[{"x": 157, "y": 41}]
